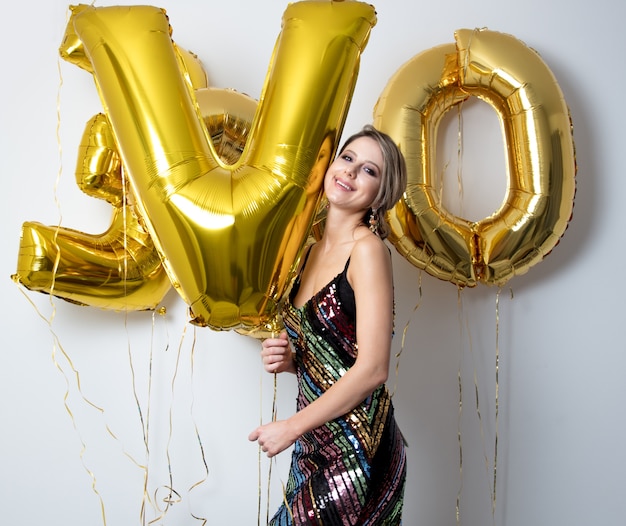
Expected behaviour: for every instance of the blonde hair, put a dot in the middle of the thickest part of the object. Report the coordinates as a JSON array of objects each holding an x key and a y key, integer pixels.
[{"x": 393, "y": 176}]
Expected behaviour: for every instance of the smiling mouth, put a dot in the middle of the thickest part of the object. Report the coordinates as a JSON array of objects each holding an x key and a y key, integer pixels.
[{"x": 343, "y": 185}]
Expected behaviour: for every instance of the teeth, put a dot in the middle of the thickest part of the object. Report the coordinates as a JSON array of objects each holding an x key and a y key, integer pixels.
[{"x": 343, "y": 185}]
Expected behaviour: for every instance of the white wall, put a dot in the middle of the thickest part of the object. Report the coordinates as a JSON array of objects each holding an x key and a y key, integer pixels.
[{"x": 79, "y": 395}]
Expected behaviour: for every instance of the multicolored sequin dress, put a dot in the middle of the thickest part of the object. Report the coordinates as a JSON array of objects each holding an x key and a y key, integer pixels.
[{"x": 352, "y": 470}]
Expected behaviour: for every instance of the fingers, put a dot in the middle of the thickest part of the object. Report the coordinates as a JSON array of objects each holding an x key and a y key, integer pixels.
[
  {"x": 277, "y": 346},
  {"x": 273, "y": 361},
  {"x": 280, "y": 341},
  {"x": 274, "y": 437},
  {"x": 276, "y": 353},
  {"x": 275, "y": 364},
  {"x": 256, "y": 435}
]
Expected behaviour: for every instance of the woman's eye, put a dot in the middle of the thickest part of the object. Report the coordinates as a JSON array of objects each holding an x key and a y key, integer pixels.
[
  {"x": 346, "y": 157},
  {"x": 370, "y": 171}
]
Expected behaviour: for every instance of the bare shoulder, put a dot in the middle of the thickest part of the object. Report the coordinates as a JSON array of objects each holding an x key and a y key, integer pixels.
[
  {"x": 370, "y": 245},
  {"x": 370, "y": 255}
]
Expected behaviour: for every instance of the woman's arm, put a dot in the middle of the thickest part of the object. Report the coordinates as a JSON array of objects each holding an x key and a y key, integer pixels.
[{"x": 370, "y": 275}]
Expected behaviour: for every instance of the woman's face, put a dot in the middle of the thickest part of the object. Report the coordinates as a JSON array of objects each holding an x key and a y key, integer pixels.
[{"x": 354, "y": 177}]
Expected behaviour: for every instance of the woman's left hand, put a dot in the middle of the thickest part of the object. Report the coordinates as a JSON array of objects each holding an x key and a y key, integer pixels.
[{"x": 274, "y": 437}]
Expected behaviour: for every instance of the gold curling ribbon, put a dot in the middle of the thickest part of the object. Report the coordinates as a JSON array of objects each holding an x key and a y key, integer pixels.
[
  {"x": 497, "y": 401},
  {"x": 460, "y": 412},
  {"x": 173, "y": 496},
  {"x": 271, "y": 330},
  {"x": 493, "y": 484},
  {"x": 269, "y": 471},
  {"x": 462, "y": 323},
  {"x": 405, "y": 331},
  {"x": 259, "y": 452},
  {"x": 57, "y": 346},
  {"x": 200, "y": 445},
  {"x": 272, "y": 334}
]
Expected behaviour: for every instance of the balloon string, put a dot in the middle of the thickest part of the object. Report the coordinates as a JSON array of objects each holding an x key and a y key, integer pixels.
[
  {"x": 145, "y": 428},
  {"x": 459, "y": 175},
  {"x": 145, "y": 423},
  {"x": 58, "y": 135},
  {"x": 275, "y": 459},
  {"x": 497, "y": 403},
  {"x": 200, "y": 445},
  {"x": 465, "y": 328},
  {"x": 101, "y": 411},
  {"x": 459, "y": 154},
  {"x": 169, "y": 500},
  {"x": 57, "y": 182},
  {"x": 83, "y": 448},
  {"x": 497, "y": 406},
  {"x": 480, "y": 418},
  {"x": 49, "y": 321},
  {"x": 405, "y": 331},
  {"x": 492, "y": 489},
  {"x": 259, "y": 452},
  {"x": 460, "y": 411},
  {"x": 58, "y": 347},
  {"x": 172, "y": 496},
  {"x": 147, "y": 500},
  {"x": 274, "y": 416},
  {"x": 269, "y": 471}
]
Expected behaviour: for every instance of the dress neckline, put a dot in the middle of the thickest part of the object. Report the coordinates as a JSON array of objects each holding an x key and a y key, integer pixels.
[
  {"x": 315, "y": 295},
  {"x": 296, "y": 285}
]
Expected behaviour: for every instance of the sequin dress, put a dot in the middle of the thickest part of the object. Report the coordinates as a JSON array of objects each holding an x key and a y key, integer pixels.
[{"x": 352, "y": 470}]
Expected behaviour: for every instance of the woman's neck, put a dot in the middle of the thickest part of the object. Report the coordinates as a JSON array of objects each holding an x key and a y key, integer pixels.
[{"x": 339, "y": 229}]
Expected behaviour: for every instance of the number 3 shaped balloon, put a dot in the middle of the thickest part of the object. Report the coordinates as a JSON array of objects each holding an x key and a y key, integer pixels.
[{"x": 513, "y": 79}]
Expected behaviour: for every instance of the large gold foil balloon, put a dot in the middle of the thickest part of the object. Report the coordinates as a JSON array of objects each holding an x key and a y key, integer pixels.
[
  {"x": 513, "y": 79},
  {"x": 119, "y": 269},
  {"x": 227, "y": 234}
]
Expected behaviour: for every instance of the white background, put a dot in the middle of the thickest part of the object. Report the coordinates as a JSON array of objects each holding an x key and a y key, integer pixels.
[{"x": 101, "y": 412}]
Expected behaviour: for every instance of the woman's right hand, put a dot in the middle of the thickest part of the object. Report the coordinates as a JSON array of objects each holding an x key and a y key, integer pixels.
[{"x": 277, "y": 356}]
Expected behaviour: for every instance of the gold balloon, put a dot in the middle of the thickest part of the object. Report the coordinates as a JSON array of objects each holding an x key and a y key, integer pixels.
[
  {"x": 191, "y": 68},
  {"x": 119, "y": 269},
  {"x": 228, "y": 117},
  {"x": 513, "y": 79},
  {"x": 227, "y": 234}
]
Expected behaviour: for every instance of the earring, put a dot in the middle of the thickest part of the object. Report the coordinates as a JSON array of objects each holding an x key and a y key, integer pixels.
[{"x": 373, "y": 221}]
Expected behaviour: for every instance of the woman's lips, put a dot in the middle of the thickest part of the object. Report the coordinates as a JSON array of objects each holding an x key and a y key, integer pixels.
[{"x": 343, "y": 185}]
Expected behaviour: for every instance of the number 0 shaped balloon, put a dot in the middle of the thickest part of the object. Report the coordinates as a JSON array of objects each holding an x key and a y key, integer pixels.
[{"x": 513, "y": 79}]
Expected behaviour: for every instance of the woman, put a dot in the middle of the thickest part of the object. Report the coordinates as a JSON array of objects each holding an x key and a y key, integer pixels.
[{"x": 348, "y": 464}]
